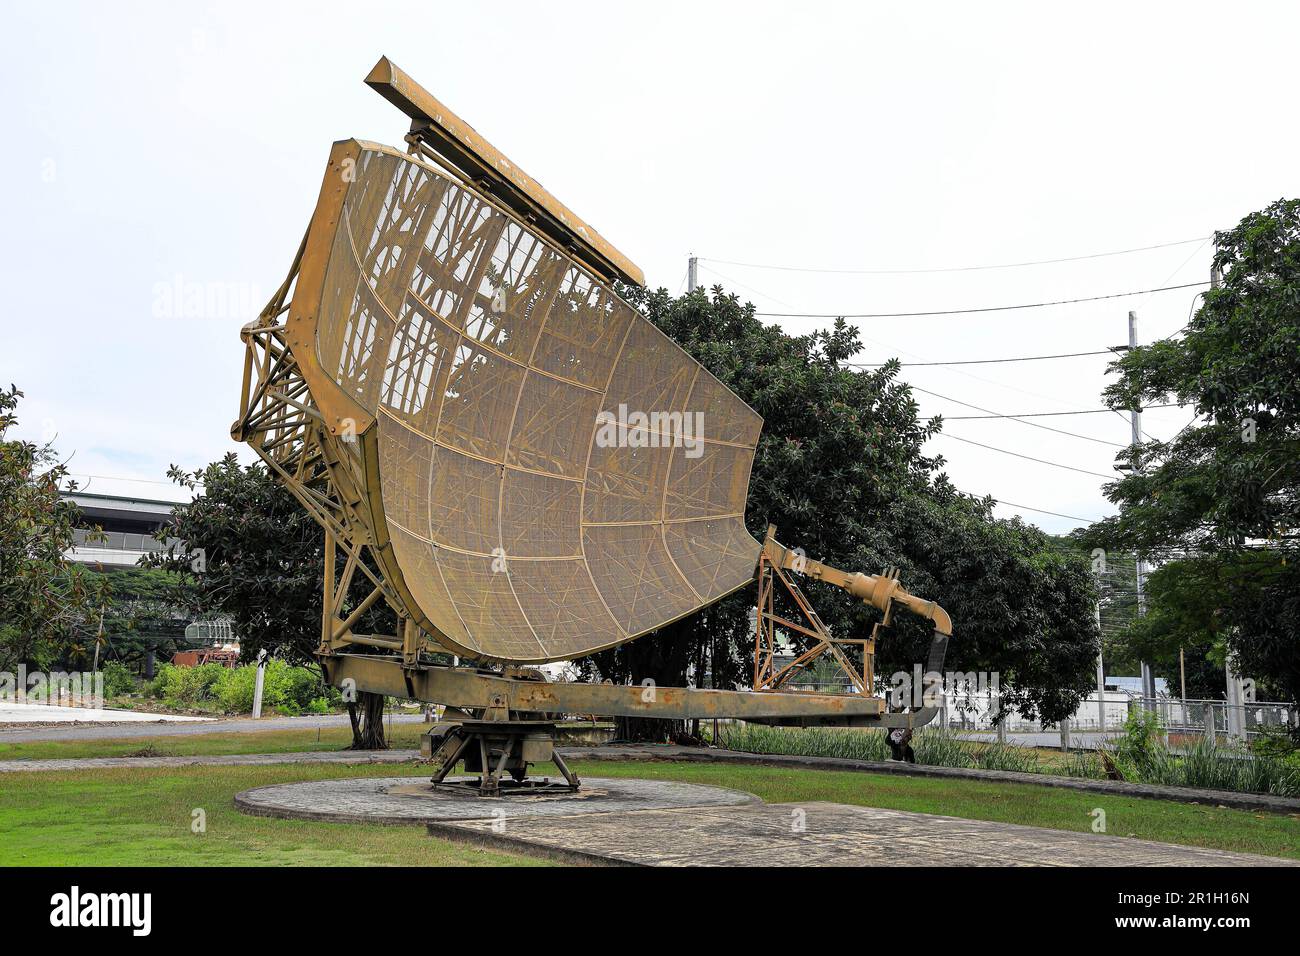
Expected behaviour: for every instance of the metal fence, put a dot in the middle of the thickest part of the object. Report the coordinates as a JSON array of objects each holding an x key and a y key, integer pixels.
[
  {"x": 975, "y": 711},
  {"x": 1108, "y": 714},
  {"x": 1217, "y": 717}
]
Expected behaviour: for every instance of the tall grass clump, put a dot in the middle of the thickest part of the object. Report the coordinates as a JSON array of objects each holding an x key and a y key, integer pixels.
[
  {"x": 934, "y": 748},
  {"x": 1142, "y": 756},
  {"x": 846, "y": 742},
  {"x": 1081, "y": 763}
]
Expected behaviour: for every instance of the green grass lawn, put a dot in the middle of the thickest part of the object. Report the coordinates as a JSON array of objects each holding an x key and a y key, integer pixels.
[
  {"x": 138, "y": 817},
  {"x": 135, "y": 816},
  {"x": 250, "y": 742}
]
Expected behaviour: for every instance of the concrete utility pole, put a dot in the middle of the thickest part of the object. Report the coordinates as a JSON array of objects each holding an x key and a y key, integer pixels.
[
  {"x": 692, "y": 273},
  {"x": 1101, "y": 681},
  {"x": 259, "y": 683},
  {"x": 1135, "y": 418},
  {"x": 1234, "y": 704}
]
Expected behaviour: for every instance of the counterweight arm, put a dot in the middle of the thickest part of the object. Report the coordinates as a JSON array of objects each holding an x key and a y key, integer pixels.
[
  {"x": 879, "y": 590},
  {"x": 882, "y": 591}
]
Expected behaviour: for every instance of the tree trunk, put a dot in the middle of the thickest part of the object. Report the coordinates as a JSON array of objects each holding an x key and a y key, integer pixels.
[
  {"x": 647, "y": 729},
  {"x": 367, "y": 716},
  {"x": 663, "y": 660}
]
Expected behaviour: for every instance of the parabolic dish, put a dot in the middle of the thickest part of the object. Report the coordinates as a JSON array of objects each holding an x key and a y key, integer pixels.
[{"x": 555, "y": 475}]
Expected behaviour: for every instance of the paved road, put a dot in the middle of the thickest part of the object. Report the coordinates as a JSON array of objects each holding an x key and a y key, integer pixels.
[
  {"x": 234, "y": 725},
  {"x": 14, "y": 713},
  {"x": 1051, "y": 738}
]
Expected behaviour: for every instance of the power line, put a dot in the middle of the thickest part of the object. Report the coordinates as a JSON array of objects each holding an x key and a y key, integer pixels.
[
  {"x": 1016, "y": 454},
  {"x": 747, "y": 288},
  {"x": 993, "y": 414},
  {"x": 144, "y": 481},
  {"x": 1002, "y": 265},
  {"x": 994, "y": 361},
  {"x": 1086, "y": 411},
  {"x": 990, "y": 308},
  {"x": 1041, "y": 511}
]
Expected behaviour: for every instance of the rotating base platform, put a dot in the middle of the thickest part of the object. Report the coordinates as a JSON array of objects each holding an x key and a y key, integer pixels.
[{"x": 412, "y": 800}]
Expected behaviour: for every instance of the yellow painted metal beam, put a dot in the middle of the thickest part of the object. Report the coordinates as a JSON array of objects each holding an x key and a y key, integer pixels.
[
  {"x": 467, "y": 688},
  {"x": 483, "y": 164}
]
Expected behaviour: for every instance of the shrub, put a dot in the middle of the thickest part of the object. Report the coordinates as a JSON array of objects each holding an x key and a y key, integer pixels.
[
  {"x": 286, "y": 688},
  {"x": 234, "y": 692},
  {"x": 1140, "y": 749},
  {"x": 186, "y": 686},
  {"x": 117, "y": 679},
  {"x": 161, "y": 680},
  {"x": 195, "y": 684}
]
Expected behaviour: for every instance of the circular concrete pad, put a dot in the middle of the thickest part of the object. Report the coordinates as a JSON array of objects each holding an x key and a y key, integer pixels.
[{"x": 415, "y": 801}]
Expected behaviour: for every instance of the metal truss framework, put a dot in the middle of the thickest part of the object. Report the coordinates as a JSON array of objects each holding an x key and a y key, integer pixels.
[
  {"x": 330, "y": 462},
  {"x": 279, "y": 421},
  {"x": 767, "y": 623}
]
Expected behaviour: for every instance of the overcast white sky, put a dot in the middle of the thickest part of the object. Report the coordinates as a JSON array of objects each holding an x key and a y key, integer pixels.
[{"x": 150, "y": 145}]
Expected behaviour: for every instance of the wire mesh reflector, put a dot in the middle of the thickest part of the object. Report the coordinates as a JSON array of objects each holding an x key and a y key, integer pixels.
[{"x": 557, "y": 476}]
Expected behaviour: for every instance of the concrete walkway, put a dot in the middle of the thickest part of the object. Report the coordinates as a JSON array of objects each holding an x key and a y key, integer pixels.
[{"x": 819, "y": 834}]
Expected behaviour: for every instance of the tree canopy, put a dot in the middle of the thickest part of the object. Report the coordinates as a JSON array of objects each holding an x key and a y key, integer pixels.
[
  {"x": 250, "y": 552},
  {"x": 840, "y": 470},
  {"x": 1221, "y": 500},
  {"x": 45, "y": 600}
]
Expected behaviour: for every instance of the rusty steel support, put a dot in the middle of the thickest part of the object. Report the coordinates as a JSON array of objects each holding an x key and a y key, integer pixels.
[
  {"x": 474, "y": 690},
  {"x": 279, "y": 420},
  {"x": 882, "y": 591},
  {"x": 454, "y": 141},
  {"x": 318, "y": 433}
]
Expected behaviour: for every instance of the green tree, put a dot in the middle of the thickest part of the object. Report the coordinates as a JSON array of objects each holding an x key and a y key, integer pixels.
[
  {"x": 142, "y": 616},
  {"x": 251, "y": 553},
  {"x": 1223, "y": 496},
  {"x": 840, "y": 470},
  {"x": 46, "y": 601},
  {"x": 1183, "y": 618}
]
